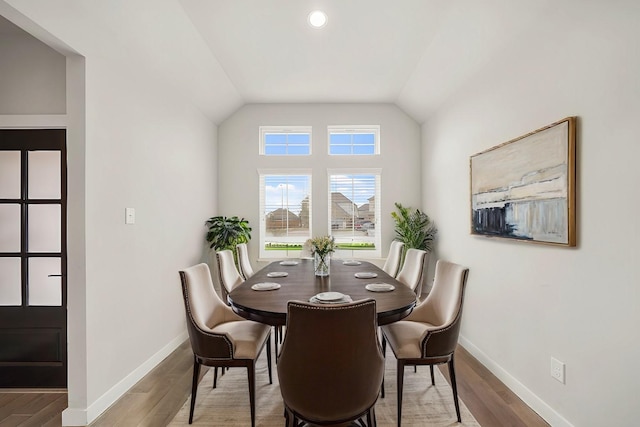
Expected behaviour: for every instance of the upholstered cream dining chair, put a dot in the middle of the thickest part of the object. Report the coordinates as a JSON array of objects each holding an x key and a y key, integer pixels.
[
  {"x": 411, "y": 272},
  {"x": 247, "y": 271},
  {"x": 429, "y": 335},
  {"x": 331, "y": 366},
  {"x": 219, "y": 337},
  {"x": 243, "y": 260},
  {"x": 392, "y": 264},
  {"x": 227, "y": 273}
]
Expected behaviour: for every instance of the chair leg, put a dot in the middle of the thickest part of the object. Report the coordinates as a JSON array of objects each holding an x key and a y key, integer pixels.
[
  {"x": 269, "y": 358},
  {"x": 251, "y": 375},
  {"x": 215, "y": 377},
  {"x": 399, "y": 391},
  {"x": 276, "y": 333},
  {"x": 433, "y": 379},
  {"x": 452, "y": 374},
  {"x": 194, "y": 387},
  {"x": 384, "y": 355}
]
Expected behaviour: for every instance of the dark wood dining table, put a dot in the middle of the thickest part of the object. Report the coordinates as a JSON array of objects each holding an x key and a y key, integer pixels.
[{"x": 270, "y": 307}]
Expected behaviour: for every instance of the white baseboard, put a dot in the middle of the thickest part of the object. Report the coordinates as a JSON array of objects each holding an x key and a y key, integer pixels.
[
  {"x": 84, "y": 416},
  {"x": 532, "y": 400}
]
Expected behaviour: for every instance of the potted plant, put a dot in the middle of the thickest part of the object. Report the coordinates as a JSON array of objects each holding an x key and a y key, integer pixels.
[
  {"x": 226, "y": 232},
  {"x": 416, "y": 230}
]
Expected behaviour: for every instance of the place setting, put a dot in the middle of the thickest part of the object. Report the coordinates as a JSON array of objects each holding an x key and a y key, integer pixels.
[
  {"x": 289, "y": 263},
  {"x": 265, "y": 286},
  {"x": 351, "y": 262},
  {"x": 330, "y": 298},
  {"x": 379, "y": 287},
  {"x": 277, "y": 274},
  {"x": 366, "y": 275}
]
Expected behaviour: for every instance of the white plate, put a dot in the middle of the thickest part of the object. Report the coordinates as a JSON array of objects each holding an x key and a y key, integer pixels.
[
  {"x": 277, "y": 274},
  {"x": 379, "y": 287},
  {"x": 329, "y": 296},
  {"x": 366, "y": 275},
  {"x": 289, "y": 263},
  {"x": 351, "y": 262},
  {"x": 265, "y": 286}
]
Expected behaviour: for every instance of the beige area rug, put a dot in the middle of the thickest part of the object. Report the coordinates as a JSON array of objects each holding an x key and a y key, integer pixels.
[{"x": 228, "y": 404}]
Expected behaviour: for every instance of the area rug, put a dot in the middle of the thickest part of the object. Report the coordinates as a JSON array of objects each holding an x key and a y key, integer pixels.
[{"x": 228, "y": 404}]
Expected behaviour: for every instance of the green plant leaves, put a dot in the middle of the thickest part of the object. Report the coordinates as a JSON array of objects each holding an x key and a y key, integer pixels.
[
  {"x": 414, "y": 228},
  {"x": 226, "y": 232}
]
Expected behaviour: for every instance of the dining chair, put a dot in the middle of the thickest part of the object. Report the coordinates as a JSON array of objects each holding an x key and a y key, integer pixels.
[
  {"x": 411, "y": 272},
  {"x": 429, "y": 335},
  {"x": 243, "y": 260},
  {"x": 247, "y": 271},
  {"x": 331, "y": 365},
  {"x": 392, "y": 264},
  {"x": 218, "y": 336},
  {"x": 227, "y": 273}
]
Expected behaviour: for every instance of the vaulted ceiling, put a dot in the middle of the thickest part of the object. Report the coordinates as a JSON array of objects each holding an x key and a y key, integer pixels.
[{"x": 414, "y": 53}]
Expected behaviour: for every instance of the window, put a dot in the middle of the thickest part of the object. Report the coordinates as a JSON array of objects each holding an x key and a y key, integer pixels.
[
  {"x": 289, "y": 141},
  {"x": 354, "y": 140},
  {"x": 285, "y": 211},
  {"x": 354, "y": 212}
]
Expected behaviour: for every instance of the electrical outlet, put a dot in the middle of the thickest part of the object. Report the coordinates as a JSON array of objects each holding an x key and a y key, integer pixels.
[
  {"x": 557, "y": 370},
  {"x": 129, "y": 216}
]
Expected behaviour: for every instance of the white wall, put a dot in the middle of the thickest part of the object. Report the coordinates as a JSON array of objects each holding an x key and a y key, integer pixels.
[
  {"x": 527, "y": 302},
  {"x": 239, "y": 161},
  {"x": 137, "y": 138},
  {"x": 32, "y": 76}
]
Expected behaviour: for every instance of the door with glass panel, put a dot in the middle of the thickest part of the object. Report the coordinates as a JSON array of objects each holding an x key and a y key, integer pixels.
[{"x": 33, "y": 262}]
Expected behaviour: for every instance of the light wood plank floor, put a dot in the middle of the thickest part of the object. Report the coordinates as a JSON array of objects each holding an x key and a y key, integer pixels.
[{"x": 156, "y": 399}]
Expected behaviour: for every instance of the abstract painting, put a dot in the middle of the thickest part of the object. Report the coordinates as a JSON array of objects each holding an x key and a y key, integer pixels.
[{"x": 524, "y": 189}]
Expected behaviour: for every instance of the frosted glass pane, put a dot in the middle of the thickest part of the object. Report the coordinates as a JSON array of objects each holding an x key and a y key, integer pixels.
[
  {"x": 44, "y": 174},
  {"x": 9, "y": 228},
  {"x": 9, "y": 174},
  {"x": 44, "y": 228},
  {"x": 10, "y": 289},
  {"x": 44, "y": 290}
]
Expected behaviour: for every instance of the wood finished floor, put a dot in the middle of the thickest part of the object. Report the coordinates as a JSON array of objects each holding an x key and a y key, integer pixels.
[{"x": 156, "y": 399}]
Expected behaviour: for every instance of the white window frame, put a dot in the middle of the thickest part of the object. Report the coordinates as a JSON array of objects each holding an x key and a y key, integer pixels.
[
  {"x": 288, "y": 130},
  {"x": 351, "y": 130},
  {"x": 377, "y": 229},
  {"x": 263, "y": 173}
]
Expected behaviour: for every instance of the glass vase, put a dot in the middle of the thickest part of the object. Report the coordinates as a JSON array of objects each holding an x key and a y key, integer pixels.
[{"x": 321, "y": 264}]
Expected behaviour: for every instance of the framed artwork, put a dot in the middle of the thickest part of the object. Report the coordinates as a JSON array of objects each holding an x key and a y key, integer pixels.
[{"x": 525, "y": 189}]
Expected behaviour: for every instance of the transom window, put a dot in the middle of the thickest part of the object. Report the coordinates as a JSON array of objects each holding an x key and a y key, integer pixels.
[
  {"x": 354, "y": 211},
  {"x": 354, "y": 140},
  {"x": 285, "y": 141},
  {"x": 285, "y": 209}
]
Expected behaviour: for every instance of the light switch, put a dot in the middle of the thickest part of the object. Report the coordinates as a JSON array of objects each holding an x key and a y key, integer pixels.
[{"x": 129, "y": 216}]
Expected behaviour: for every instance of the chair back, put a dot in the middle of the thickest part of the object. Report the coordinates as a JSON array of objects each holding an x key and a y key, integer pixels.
[
  {"x": 443, "y": 309},
  {"x": 205, "y": 310},
  {"x": 411, "y": 272},
  {"x": 331, "y": 366},
  {"x": 243, "y": 259},
  {"x": 392, "y": 264},
  {"x": 227, "y": 272}
]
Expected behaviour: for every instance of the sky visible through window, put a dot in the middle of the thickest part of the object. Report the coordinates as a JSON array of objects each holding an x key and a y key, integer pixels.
[
  {"x": 342, "y": 143},
  {"x": 283, "y": 144}
]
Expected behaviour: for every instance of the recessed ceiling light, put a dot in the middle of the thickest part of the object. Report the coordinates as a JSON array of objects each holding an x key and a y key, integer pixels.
[{"x": 317, "y": 19}]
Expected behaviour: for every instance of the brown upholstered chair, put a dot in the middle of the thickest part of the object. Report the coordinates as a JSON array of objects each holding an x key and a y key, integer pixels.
[
  {"x": 411, "y": 272},
  {"x": 392, "y": 264},
  {"x": 429, "y": 335},
  {"x": 331, "y": 365},
  {"x": 243, "y": 260},
  {"x": 227, "y": 273},
  {"x": 219, "y": 337}
]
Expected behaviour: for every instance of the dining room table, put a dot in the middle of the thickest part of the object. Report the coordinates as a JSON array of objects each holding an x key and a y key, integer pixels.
[{"x": 265, "y": 295}]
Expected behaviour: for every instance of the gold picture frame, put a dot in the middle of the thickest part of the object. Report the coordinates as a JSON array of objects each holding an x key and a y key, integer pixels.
[{"x": 525, "y": 189}]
